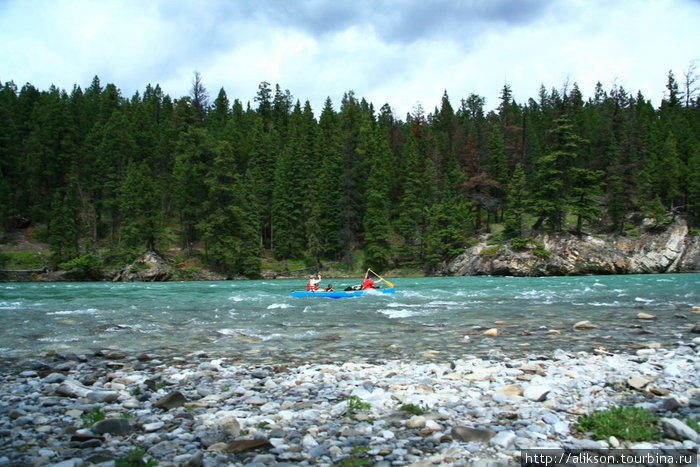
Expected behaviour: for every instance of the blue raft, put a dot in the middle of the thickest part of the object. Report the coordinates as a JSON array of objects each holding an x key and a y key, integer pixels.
[{"x": 343, "y": 293}]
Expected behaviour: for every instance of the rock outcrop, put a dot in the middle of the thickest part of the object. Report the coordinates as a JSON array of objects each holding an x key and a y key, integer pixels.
[
  {"x": 671, "y": 249},
  {"x": 149, "y": 268}
]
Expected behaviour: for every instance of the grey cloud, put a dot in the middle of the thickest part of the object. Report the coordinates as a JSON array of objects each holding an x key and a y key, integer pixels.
[{"x": 394, "y": 21}]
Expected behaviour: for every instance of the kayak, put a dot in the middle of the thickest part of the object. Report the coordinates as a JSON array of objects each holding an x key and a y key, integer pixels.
[{"x": 343, "y": 293}]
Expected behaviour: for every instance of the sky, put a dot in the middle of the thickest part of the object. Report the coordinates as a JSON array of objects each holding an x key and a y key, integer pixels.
[{"x": 403, "y": 53}]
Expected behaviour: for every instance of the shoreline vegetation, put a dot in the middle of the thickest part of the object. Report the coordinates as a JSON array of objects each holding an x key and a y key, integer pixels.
[
  {"x": 238, "y": 188},
  {"x": 200, "y": 409},
  {"x": 672, "y": 247}
]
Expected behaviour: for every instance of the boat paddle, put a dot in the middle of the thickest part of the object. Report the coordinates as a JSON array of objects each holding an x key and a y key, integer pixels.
[{"x": 389, "y": 284}]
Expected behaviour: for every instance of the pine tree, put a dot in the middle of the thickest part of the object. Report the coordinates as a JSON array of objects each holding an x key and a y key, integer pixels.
[
  {"x": 517, "y": 203},
  {"x": 139, "y": 205},
  {"x": 288, "y": 196},
  {"x": 229, "y": 226},
  {"x": 552, "y": 177},
  {"x": 329, "y": 189},
  {"x": 196, "y": 151},
  {"x": 63, "y": 233},
  {"x": 376, "y": 219}
]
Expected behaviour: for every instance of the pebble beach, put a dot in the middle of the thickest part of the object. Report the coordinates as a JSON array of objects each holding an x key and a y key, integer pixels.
[{"x": 202, "y": 410}]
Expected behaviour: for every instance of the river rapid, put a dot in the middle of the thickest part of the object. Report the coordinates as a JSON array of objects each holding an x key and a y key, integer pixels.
[{"x": 428, "y": 319}]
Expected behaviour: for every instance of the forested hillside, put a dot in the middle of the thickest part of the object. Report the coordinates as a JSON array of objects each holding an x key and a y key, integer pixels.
[{"x": 108, "y": 176}]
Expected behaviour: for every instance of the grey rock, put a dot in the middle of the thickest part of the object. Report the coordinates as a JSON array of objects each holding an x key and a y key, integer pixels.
[
  {"x": 467, "y": 434},
  {"x": 536, "y": 393},
  {"x": 103, "y": 396},
  {"x": 170, "y": 401},
  {"x": 114, "y": 426},
  {"x": 676, "y": 429},
  {"x": 72, "y": 388},
  {"x": 503, "y": 439}
]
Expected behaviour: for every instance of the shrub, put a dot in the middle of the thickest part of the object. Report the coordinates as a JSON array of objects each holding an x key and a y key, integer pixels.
[
  {"x": 491, "y": 252},
  {"x": 415, "y": 409},
  {"x": 354, "y": 404},
  {"x": 87, "y": 266},
  {"x": 519, "y": 242},
  {"x": 627, "y": 423},
  {"x": 495, "y": 238},
  {"x": 92, "y": 417},
  {"x": 135, "y": 458}
]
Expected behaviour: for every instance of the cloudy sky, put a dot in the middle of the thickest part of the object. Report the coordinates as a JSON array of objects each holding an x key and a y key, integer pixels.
[{"x": 400, "y": 52}]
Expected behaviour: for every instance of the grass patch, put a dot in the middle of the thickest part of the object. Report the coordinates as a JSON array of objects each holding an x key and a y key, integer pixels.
[
  {"x": 415, "y": 409},
  {"x": 354, "y": 405},
  {"x": 692, "y": 424},
  {"x": 135, "y": 458},
  {"x": 93, "y": 416},
  {"x": 624, "y": 423},
  {"x": 23, "y": 260}
]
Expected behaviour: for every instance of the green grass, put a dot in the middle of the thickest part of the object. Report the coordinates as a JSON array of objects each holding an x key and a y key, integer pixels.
[
  {"x": 624, "y": 423},
  {"x": 692, "y": 424},
  {"x": 415, "y": 409},
  {"x": 354, "y": 405},
  {"x": 23, "y": 260},
  {"x": 135, "y": 458},
  {"x": 93, "y": 416}
]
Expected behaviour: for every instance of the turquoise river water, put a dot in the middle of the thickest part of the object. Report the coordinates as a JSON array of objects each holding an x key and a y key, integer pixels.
[{"x": 428, "y": 319}]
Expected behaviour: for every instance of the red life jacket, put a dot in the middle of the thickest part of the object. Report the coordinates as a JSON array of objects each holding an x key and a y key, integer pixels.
[
  {"x": 309, "y": 286},
  {"x": 367, "y": 283}
]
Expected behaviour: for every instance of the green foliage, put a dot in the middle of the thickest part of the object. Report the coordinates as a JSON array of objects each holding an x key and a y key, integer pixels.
[
  {"x": 495, "y": 239},
  {"x": 356, "y": 458},
  {"x": 415, "y": 409},
  {"x": 625, "y": 423},
  {"x": 95, "y": 415},
  {"x": 87, "y": 266},
  {"x": 541, "y": 251},
  {"x": 519, "y": 243},
  {"x": 135, "y": 458},
  {"x": 22, "y": 260},
  {"x": 692, "y": 424},
  {"x": 232, "y": 183},
  {"x": 354, "y": 405},
  {"x": 491, "y": 252}
]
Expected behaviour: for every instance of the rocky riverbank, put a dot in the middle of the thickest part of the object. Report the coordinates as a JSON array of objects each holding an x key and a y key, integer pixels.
[
  {"x": 200, "y": 410},
  {"x": 671, "y": 248}
]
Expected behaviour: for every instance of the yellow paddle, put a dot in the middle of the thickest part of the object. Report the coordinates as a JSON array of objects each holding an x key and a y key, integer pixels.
[{"x": 389, "y": 284}]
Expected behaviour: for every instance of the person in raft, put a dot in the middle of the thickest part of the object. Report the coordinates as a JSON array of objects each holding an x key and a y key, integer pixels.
[
  {"x": 329, "y": 288},
  {"x": 368, "y": 282},
  {"x": 312, "y": 284}
]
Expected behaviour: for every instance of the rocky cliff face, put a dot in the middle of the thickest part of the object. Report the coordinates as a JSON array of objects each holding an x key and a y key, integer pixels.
[{"x": 671, "y": 249}]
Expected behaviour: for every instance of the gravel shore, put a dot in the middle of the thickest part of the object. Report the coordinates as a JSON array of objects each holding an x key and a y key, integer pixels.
[{"x": 201, "y": 410}]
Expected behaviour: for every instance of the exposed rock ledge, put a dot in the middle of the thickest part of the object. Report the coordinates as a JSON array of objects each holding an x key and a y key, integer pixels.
[{"x": 672, "y": 249}]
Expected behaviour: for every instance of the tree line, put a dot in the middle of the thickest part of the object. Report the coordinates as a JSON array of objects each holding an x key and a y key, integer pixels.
[{"x": 117, "y": 175}]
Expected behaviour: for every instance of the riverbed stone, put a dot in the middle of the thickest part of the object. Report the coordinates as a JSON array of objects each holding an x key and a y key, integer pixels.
[
  {"x": 676, "y": 429},
  {"x": 113, "y": 426},
  {"x": 477, "y": 409},
  {"x": 637, "y": 381},
  {"x": 536, "y": 392},
  {"x": 584, "y": 325},
  {"x": 171, "y": 400}
]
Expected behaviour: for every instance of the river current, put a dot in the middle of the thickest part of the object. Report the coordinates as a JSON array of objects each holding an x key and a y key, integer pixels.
[{"x": 428, "y": 319}]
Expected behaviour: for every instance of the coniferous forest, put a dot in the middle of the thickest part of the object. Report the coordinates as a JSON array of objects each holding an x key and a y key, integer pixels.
[{"x": 108, "y": 176}]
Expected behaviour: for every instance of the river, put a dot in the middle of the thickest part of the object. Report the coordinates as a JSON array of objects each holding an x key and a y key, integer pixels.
[{"x": 428, "y": 319}]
